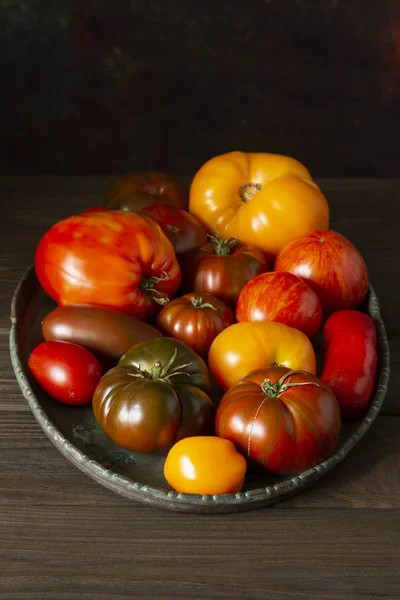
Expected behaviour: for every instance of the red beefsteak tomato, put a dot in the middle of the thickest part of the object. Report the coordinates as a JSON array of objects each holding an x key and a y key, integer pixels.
[
  {"x": 69, "y": 373},
  {"x": 221, "y": 268},
  {"x": 280, "y": 297},
  {"x": 116, "y": 259},
  {"x": 196, "y": 319},
  {"x": 181, "y": 228},
  {"x": 287, "y": 421},
  {"x": 331, "y": 265}
]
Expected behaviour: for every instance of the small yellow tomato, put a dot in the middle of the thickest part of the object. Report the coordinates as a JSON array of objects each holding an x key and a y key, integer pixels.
[{"x": 205, "y": 465}]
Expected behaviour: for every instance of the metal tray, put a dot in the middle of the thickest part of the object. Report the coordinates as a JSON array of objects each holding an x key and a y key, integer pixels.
[{"x": 77, "y": 436}]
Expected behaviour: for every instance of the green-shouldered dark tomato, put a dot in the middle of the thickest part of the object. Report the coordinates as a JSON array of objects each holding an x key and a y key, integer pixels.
[
  {"x": 221, "y": 268},
  {"x": 287, "y": 421},
  {"x": 156, "y": 396}
]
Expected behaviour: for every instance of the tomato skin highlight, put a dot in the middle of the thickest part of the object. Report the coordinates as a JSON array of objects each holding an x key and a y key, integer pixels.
[
  {"x": 205, "y": 465},
  {"x": 69, "y": 373},
  {"x": 350, "y": 361},
  {"x": 284, "y": 431},
  {"x": 280, "y": 297},
  {"x": 331, "y": 265}
]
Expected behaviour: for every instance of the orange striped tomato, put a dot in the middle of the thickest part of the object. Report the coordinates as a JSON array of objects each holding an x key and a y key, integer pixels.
[{"x": 331, "y": 265}]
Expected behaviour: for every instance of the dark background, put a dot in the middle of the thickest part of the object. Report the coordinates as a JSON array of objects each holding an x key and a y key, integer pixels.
[{"x": 102, "y": 87}]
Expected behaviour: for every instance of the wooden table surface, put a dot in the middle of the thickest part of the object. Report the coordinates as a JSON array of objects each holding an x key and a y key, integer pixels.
[{"x": 64, "y": 536}]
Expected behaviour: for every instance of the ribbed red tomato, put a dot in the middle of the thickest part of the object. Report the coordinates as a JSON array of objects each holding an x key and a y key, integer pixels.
[
  {"x": 280, "y": 297},
  {"x": 287, "y": 421},
  {"x": 116, "y": 259},
  {"x": 331, "y": 265},
  {"x": 196, "y": 319},
  {"x": 221, "y": 268}
]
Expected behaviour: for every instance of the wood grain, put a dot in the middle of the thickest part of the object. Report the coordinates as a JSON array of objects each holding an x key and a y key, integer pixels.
[
  {"x": 319, "y": 553},
  {"x": 368, "y": 478},
  {"x": 65, "y": 537}
]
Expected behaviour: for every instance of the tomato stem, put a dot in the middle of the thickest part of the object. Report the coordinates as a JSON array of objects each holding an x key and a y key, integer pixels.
[
  {"x": 147, "y": 285},
  {"x": 197, "y": 302},
  {"x": 172, "y": 228},
  {"x": 248, "y": 191},
  {"x": 222, "y": 247},
  {"x": 160, "y": 373},
  {"x": 275, "y": 390}
]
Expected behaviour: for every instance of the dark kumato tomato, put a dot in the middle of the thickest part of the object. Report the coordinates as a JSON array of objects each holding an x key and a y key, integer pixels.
[{"x": 156, "y": 396}]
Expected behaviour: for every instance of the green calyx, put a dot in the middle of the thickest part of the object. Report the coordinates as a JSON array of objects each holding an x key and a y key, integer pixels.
[
  {"x": 160, "y": 372},
  {"x": 147, "y": 285},
  {"x": 197, "y": 302},
  {"x": 222, "y": 247},
  {"x": 275, "y": 390}
]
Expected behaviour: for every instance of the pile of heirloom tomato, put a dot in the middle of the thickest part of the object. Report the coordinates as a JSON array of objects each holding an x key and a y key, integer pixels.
[{"x": 162, "y": 298}]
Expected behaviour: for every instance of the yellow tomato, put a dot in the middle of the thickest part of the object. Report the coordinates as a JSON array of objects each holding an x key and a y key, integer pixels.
[
  {"x": 245, "y": 347},
  {"x": 262, "y": 199},
  {"x": 205, "y": 465}
]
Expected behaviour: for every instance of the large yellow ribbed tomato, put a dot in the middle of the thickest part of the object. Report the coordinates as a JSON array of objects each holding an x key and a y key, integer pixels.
[{"x": 262, "y": 199}]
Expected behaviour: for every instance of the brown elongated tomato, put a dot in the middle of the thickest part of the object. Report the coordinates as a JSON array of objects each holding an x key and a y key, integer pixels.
[
  {"x": 221, "y": 268},
  {"x": 287, "y": 421},
  {"x": 196, "y": 319},
  {"x": 137, "y": 190},
  {"x": 280, "y": 297},
  {"x": 157, "y": 395},
  {"x": 106, "y": 332}
]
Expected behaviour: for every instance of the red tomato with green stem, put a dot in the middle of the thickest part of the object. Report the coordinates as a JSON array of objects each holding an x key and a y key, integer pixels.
[
  {"x": 196, "y": 319},
  {"x": 221, "y": 268},
  {"x": 280, "y": 297},
  {"x": 286, "y": 421},
  {"x": 331, "y": 265},
  {"x": 181, "y": 228},
  {"x": 114, "y": 259},
  {"x": 69, "y": 373}
]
